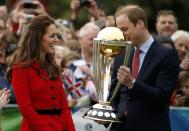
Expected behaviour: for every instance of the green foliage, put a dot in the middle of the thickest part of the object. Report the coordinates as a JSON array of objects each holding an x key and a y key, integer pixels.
[{"x": 61, "y": 9}]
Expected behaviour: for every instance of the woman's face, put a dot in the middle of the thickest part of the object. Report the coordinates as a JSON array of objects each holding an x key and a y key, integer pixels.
[
  {"x": 67, "y": 33},
  {"x": 185, "y": 87},
  {"x": 50, "y": 38}
]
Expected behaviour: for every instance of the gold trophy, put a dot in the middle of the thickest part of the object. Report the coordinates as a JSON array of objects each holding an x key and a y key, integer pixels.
[{"x": 108, "y": 44}]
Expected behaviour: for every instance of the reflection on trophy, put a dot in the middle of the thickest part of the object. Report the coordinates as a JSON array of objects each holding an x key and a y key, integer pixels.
[{"x": 108, "y": 44}]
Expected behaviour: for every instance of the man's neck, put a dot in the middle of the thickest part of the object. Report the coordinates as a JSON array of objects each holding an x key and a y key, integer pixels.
[{"x": 145, "y": 37}]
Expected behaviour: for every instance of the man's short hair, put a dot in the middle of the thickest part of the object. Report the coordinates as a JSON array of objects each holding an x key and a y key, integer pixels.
[
  {"x": 88, "y": 26},
  {"x": 134, "y": 13},
  {"x": 165, "y": 13}
]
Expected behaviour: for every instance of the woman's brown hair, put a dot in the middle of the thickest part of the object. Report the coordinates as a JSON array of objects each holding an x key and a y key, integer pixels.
[{"x": 30, "y": 48}]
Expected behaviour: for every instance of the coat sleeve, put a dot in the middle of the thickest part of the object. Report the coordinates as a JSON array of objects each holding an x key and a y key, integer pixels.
[
  {"x": 66, "y": 113},
  {"x": 21, "y": 88}
]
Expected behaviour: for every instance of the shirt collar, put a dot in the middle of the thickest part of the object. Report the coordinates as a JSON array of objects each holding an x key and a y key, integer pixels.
[{"x": 144, "y": 48}]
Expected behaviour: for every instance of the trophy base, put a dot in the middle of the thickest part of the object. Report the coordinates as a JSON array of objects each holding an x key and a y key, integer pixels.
[{"x": 102, "y": 111}]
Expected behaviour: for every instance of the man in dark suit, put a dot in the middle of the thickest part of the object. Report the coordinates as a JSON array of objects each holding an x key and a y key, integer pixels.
[{"x": 147, "y": 83}]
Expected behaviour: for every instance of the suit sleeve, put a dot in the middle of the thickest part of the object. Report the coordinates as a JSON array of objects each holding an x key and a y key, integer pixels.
[
  {"x": 21, "y": 88},
  {"x": 164, "y": 84}
]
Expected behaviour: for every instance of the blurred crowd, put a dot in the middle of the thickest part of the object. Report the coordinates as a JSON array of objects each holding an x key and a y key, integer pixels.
[{"x": 74, "y": 51}]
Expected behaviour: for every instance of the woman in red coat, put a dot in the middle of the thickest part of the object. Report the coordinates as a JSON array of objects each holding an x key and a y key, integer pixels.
[{"x": 36, "y": 80}]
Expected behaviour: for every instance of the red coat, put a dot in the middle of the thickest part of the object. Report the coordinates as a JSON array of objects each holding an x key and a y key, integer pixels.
[{"x": 32, "y": 93}]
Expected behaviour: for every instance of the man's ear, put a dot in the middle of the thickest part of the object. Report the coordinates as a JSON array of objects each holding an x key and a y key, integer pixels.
[{"x": 140, "y": 24}]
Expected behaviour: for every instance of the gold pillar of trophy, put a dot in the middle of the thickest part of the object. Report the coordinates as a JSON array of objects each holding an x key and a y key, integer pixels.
[{"x": 108, "y": 44}]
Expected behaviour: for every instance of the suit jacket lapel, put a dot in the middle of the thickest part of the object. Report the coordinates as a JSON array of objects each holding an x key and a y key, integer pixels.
[{"x": 147, "y": 59}]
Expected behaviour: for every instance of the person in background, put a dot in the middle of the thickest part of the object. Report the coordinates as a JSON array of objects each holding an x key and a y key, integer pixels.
[
  {"x": 165, "y": 41},
  {"x": 5, "y": 49},
  {"x": 3, "y": 10},
  {"x": 185, "y": 62},
  {"x": 166, "y": 23},
  {"x": 61, "y": 52},
  {"x": 4, "y": 97},
  {"x": 86, "y": 35},
  {"x": 77, "y": 75},
  {"x": 91, "y": 7},
  {"x": 181, "y": 41},
  {"x": 182, "y": 96},
  {"x": 36, "y": 79},
  {"x": 73, "y": 45},
  {"x": 82, "y": 68},
  {"x": 149, "y": 80},
  {"x": 67, "y": 30},
  {"x": 2, "y": 56},
  {"x": 34, "y": 7},
  {"x": 110, "y": 21}
]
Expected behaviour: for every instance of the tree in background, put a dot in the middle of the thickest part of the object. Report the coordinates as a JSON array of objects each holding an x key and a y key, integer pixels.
[{"x": 61, "y": 9}]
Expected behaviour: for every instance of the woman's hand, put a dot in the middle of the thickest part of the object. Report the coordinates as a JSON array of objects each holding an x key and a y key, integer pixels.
[{"x": 4, "y": 97}]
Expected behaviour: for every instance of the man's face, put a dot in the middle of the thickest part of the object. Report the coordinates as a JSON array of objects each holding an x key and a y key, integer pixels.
[
  {"x": 166, "y": 25},
  {"x": 86, "y": 41},
  {"x": 130, "y": 31},
  {"x": 182, "y": 46}
]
